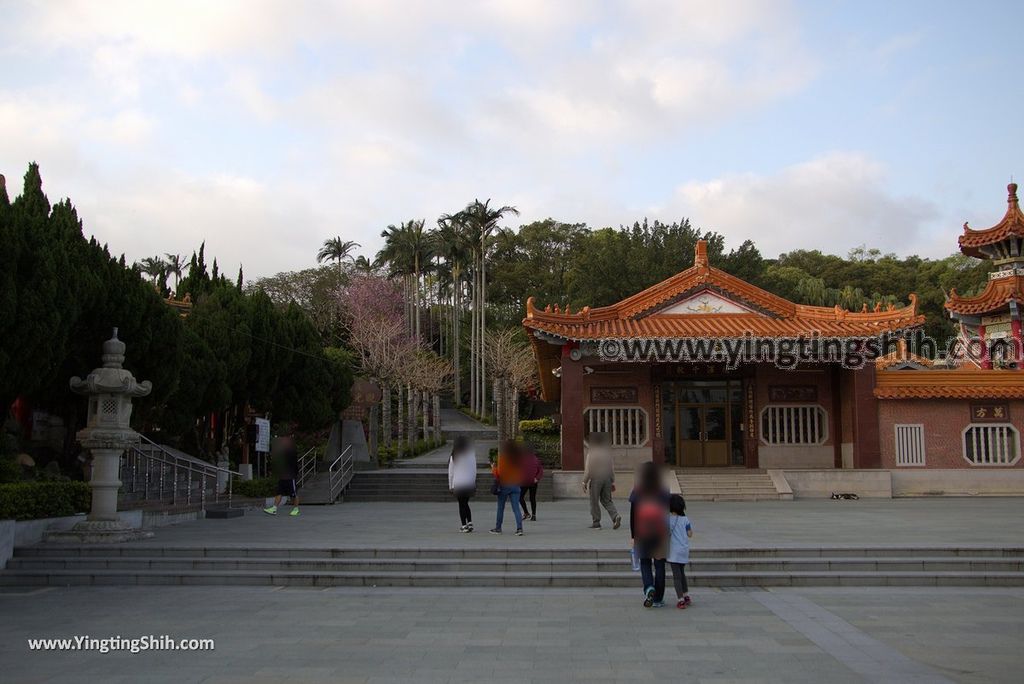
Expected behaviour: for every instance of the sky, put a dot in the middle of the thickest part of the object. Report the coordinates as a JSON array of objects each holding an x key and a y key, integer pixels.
[{"x": 266, "y": 127}]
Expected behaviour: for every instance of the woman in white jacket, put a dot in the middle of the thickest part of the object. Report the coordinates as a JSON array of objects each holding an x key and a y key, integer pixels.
[{"x": 462, "y": 478}]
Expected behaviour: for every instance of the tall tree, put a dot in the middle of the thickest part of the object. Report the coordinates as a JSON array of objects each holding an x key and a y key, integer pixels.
[
  {"x": 482, "y": 220},
  {"x": 337, "y": 250}
]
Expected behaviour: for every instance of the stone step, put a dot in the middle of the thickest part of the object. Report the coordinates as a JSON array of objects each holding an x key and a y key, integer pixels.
[
  {"x": 499, "y": 579},
  {"x": 278, "y": 551},
  {"x": 461, "y": 565}
]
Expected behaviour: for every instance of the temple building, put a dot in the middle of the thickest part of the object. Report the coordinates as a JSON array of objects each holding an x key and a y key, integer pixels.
[{"x": 660, "y": 372}]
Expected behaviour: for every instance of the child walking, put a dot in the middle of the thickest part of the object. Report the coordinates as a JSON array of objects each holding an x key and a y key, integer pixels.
[{"x": 679, "y": 533}]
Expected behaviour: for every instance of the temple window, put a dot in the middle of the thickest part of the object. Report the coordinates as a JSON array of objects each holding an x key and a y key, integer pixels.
[
  {"x": 794, "y": 424},
  {"x": 991, "y": 444},
  {"x": 910, "y": 444},
  {"x": 625, "y": 426}
]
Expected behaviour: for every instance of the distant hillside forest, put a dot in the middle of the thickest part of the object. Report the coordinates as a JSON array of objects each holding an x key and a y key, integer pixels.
[{"x": 562, "y": 263}]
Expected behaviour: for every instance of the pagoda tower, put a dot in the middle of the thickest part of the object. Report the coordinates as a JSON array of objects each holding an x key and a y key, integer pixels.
[{"x": 990, "y": 321}]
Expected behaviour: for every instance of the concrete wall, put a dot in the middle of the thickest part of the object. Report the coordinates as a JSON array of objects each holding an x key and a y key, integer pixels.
[
  {"x": 957, "y": 482},
  {"x": 27, "y": 532},
  {"x": 6, "y": 542},
  {"x": 944, "y": 421},
  {"x": 795, "y": 456},
  {"x": 808, "y": 484},
  {"x": 568, "y": 484}
]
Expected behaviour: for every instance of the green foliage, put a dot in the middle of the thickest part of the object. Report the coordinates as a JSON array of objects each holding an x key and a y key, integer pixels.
[
  {"x": 33, "y": 500},
  {"x": 60, "y": 296},
  {"x": 487, "y": 420},
  {"x": 540, "y": 426},
  {"x": 10, "y": 471},
  {"x": 548, "y": 448},
  {"x": 259, "y": 488},
  {"x": 387, "y": 455}
]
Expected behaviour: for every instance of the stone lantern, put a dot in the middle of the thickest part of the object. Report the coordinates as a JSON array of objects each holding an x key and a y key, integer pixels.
[{"x": 106, "y": 435}]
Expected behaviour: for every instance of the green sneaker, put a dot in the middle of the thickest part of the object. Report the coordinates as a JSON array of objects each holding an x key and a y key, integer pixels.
[
  {"x": 272, "y": 510},
  {"x": 295, "y": 511}
]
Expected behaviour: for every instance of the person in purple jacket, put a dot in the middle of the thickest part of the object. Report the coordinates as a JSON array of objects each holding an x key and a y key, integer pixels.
[{"x": 533, "y": 471}]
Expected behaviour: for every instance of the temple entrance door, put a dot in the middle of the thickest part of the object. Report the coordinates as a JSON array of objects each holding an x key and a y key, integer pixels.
[
  {"x": 691, "y": 431},
  {"x": 703, "y": 419},
  {"x": 703, "y": 435},
  {"x": 716, "y": 435}
]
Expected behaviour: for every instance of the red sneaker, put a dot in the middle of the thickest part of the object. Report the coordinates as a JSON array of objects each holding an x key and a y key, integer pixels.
[
  {"x": 681, "y": 604},
  {"x": 686, "y": 600}
]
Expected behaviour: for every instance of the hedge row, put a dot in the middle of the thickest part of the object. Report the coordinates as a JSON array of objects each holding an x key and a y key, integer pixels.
[
  {"x": 33, "y": 500},
  {"x": 259, "y": 488}
]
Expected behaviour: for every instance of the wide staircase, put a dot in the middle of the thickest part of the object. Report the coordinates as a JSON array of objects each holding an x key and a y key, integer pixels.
[
  {"x": 408, "y": 484},
  {"x": 728, "y": 484},
  {"x": 137, "y": 564}
]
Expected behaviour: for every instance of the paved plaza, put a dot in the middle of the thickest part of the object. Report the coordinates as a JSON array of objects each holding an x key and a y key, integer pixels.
[
  {"x": 378, "y": 634},
  {"x": 419, "y": 635},
  {"x": 564, "y": 523}
]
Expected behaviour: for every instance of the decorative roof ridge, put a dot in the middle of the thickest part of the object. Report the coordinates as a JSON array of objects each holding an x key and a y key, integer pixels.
[
  {"x": 744, "y": 291},
  {"x": 997, "y": 292},
  {"x": 1012, "y": 223},
  {"x": 880, "y": 312},
  {"x": 939, "y": 383}
]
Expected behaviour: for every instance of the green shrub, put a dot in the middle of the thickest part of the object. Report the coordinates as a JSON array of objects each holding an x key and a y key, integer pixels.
[
  {"x": 259, "y": 488},
  {"x": 33, "y": 500},
  {"x": 541, "y": 426},
  {"x": 10, "y": 471}
]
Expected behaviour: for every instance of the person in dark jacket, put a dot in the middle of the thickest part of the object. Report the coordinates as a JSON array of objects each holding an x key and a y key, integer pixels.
[
  {"x": 533, "y": 471},
  {"x": 285, "y": 461},
  {"x": 648, "y": 527}
]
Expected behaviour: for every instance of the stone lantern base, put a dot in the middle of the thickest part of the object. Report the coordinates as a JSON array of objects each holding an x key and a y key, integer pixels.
[{"x": 99, "y": 532}]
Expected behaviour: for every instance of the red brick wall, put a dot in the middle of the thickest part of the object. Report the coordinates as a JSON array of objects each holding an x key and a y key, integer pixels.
[
  {"x": 768, "y": 375},
  {"x": 944, "y": 421},
  {"x": 576, "y": 384}
]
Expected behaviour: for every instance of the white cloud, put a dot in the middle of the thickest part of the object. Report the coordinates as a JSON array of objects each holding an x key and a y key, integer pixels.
[
  {"x": 832, "y": 203},
  {"x": 264, "y": 128}
]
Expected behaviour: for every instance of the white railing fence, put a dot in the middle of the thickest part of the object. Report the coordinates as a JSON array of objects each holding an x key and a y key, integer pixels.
[
  {"x": 625, "y": 426},
  {"x": 149, "y": 472},
  {"x": 341, "y": 472}
]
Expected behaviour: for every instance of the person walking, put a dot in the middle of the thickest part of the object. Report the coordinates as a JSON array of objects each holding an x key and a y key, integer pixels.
[
  {"x": 533, "y": 471},
  {"x": 508, "y": 475},
  {"x": 285, "y": 463},
  {"x": 679, "y": 533},
  {"x": 599, "y": 480},
  {"x": 648, "y": 528},
  {"x": 462, "y": 478}
]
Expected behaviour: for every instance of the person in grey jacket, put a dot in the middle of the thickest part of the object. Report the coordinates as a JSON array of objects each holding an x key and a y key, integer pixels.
[{"x": 599, "y": 479}]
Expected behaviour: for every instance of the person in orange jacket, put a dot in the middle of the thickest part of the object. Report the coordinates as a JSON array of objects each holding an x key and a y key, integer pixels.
[{"x": 508, "y": 475}]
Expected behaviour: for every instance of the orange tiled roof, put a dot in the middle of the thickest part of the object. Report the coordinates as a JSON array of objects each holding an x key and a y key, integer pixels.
[
  {"x": 1012, "y": 225},
  {"x": 950, "y": 384},
  {"x": 998, "y": 293},
  {"x": 767, "y": 315},
  {"x": 900, "y": 355}
]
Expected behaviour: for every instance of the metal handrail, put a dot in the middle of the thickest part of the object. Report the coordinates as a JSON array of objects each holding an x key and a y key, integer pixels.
[
  {"x": 307, "y": 467},
  {"x": 340, "y": 477},
  {"x": 178, "y": 466}
]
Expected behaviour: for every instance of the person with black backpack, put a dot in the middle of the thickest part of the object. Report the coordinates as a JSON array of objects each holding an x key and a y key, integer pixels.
[{"x": 648, "y": 527}]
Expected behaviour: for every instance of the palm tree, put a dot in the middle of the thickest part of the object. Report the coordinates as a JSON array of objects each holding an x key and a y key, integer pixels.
[
  {"x": 174, "y": 266},
  {"x": 451, "y": 242},
  {"x": 155, "y": 268},
  {"x": 407, "y": 250},
  {"x": 336, "y": 249},
  {"x": 363, "y": 265},
  {"x": 481, "y": 221}
]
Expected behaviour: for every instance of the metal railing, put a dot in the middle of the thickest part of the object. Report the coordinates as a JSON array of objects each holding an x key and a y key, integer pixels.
[
  {"x": 340, "y": 473},
  {"x": 307, "y": 467},
  {"x": 152, "y": 473}
]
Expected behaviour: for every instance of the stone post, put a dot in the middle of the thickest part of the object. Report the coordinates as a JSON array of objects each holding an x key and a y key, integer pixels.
[{"x": 107, "y": 434}]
